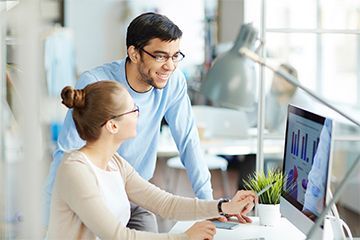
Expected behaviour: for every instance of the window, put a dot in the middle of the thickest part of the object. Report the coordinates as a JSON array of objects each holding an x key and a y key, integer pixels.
[{"x": 321, "y": 39}]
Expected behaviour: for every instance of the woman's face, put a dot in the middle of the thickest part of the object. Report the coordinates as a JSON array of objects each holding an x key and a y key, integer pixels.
[{"x": 127, "y": 119}]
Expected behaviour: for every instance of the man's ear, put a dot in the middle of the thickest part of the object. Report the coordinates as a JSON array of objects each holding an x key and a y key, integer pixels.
[
  {"x": 133, "y": 54},
  {"x": 112, "y": 127}
]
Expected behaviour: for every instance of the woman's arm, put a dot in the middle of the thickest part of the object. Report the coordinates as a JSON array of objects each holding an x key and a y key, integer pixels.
[
  {"x": 163, "y": 203},
  {"x": 78, "y": 188},
  {"x": 170, "y": 206}
]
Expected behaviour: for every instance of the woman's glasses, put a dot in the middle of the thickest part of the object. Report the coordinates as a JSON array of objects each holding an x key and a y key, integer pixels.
[{"x": 136, "y": 109}]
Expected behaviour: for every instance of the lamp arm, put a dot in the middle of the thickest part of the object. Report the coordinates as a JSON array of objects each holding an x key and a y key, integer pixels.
[{"x": 256, "y": 58}]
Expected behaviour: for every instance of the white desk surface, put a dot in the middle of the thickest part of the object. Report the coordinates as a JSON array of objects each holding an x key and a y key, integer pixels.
[
  {"x": 223, "y": 146},
  {"x": 283, "y": 230}
]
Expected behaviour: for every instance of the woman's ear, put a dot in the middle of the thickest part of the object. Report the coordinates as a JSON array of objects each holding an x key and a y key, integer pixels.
[
  {"x": 133, "y": 54},
  {"x": 112, "y": 127}
]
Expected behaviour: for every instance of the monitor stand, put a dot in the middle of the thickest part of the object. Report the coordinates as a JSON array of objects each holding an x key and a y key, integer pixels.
[{"x": 333, "y": 228}]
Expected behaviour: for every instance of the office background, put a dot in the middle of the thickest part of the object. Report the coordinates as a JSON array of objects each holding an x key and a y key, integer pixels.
[{"x": 320, "y": 38}]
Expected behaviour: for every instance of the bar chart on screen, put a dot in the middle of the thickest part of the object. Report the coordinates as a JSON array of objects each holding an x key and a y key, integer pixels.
[{"x": 309, "y": 143}]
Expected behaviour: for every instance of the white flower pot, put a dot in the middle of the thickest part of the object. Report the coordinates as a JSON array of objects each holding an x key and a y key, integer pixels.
[{"x": 269, "y": 214}]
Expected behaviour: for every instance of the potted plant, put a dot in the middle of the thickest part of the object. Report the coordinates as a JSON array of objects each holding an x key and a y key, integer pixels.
[{"x": 269, "y": 201}]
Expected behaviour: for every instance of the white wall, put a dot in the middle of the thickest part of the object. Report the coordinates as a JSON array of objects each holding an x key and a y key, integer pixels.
[
  {"x": 99, "y": 30},
  {"x": 100, "y": 27}
]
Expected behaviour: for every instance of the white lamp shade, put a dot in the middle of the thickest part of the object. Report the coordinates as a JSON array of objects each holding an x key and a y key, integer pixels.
[{"x": 231, "y": 81}]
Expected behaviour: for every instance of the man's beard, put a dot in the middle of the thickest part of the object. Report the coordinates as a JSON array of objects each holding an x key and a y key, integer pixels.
[
  {"x": 151, "y": 82},
  {"x": 146, "y": 78}
]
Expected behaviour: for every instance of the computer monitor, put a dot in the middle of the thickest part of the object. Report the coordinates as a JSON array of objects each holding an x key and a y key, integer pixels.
[{"x": 306, "y": 165}]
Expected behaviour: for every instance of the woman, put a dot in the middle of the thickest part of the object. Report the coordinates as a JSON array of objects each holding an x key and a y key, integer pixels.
[{"x": 94, "y": 184}]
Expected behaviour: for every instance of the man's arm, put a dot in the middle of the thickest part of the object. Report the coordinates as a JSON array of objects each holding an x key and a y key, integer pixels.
[
  {"x": 180, "y": 118},
  {"x": 68, "y": 140}
]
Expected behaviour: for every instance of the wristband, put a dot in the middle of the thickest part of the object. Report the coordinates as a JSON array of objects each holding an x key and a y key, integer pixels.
[{"x": 219, "y": 205}]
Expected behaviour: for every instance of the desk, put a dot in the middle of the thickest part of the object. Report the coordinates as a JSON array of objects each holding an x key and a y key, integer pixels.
[
  {"x": 224, "y": 146},
  {"x": 284, "y": 230}
]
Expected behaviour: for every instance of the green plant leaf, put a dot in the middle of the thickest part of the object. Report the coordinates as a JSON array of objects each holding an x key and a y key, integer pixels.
[{"x": 258, "y": 180}]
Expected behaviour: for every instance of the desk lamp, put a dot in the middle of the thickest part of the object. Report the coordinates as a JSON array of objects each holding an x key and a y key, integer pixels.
[
  {"x": 226, "y": 79},
  {"x": 230, "y": 81}
]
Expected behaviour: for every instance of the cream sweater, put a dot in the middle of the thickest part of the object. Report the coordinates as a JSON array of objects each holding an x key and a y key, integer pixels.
[{"x": 79, "y": 212}]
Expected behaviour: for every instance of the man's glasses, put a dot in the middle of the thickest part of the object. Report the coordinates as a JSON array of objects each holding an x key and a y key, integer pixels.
[
  {"x": 136, "y": 109},
  {"x": 162, "y": 58}
]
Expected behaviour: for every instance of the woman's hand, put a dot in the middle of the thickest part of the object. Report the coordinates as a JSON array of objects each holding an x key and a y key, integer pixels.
[
  {"x": 242, "y": 203},
  {"x": 201, "y": 230}
]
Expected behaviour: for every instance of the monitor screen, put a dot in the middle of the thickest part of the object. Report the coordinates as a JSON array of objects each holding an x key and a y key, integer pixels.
[{"x": 306, "y": 166}]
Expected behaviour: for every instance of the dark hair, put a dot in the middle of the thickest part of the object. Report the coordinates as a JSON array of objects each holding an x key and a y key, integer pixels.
[
  {"x": 148, "y": 26},
  {"x": 94, "y": 105}
]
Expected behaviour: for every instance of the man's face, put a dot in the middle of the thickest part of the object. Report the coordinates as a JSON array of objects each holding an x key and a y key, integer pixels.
[{"x": 155, "y": 73}]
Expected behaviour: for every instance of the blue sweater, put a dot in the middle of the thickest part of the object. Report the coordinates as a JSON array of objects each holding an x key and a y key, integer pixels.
[{"x": 171, "y": 102}]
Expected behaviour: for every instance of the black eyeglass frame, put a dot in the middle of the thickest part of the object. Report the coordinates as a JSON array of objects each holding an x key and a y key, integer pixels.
[
  {"x": 137, "y": 109},
  {"x": 164, "y": 55}
]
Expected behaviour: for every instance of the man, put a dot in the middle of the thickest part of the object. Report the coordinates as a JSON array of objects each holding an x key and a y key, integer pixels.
[{"x": 149, "y": 74}]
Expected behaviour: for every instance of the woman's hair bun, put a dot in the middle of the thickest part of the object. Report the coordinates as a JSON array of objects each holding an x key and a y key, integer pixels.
[{"x": 73, "y": 98}]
